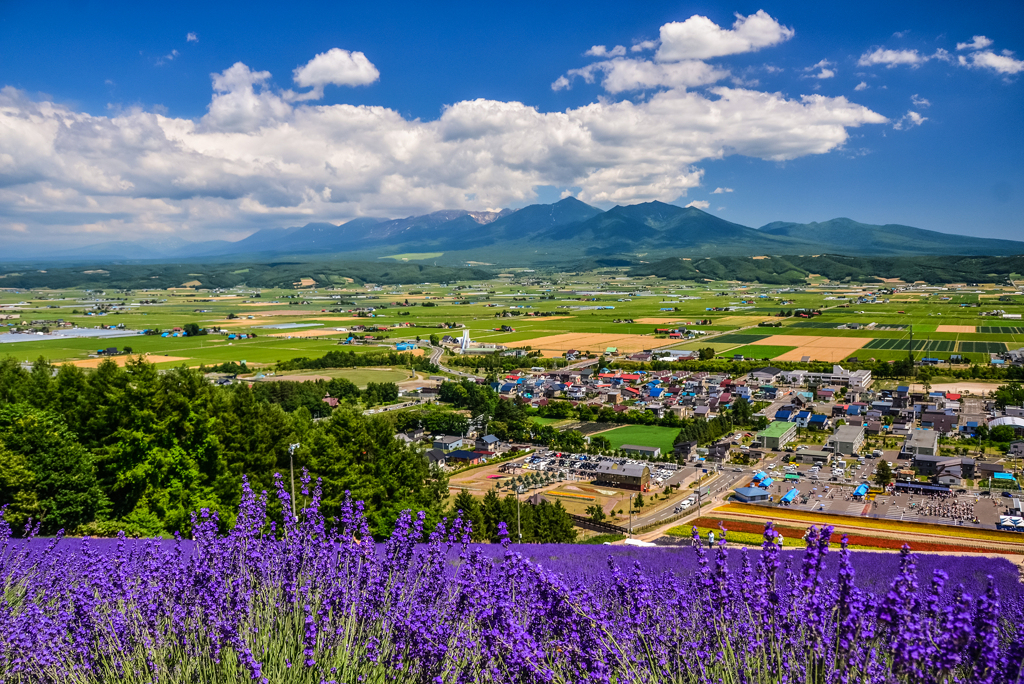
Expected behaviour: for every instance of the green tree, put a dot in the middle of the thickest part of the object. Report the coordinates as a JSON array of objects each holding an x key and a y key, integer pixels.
[
  {"x": 17, "y": 489},
  {"x": 596, "y": 512},
  {"x": 63, "y": 475},
  {"x": 466, "y": 504},
  {"x": 884, "y": 475},
  {"x": 639, "y": 501},
  {"x": 706, "y": 354}
]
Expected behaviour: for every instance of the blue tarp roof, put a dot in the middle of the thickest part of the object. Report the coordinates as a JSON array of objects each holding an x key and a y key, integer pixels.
[
  {"x": 766, "y": 482},
  {"x": 1002, "y": 476},
  {"x": 790, "y": 495},
  {"x": 759, "y": 475},
  {"x": 861, "y": 490}
]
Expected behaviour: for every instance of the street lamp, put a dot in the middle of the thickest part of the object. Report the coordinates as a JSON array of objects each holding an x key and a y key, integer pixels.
[{"x": 291, "y": 467}]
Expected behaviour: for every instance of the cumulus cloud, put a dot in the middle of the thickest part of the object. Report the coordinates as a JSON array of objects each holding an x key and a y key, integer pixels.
[
  {"x": 920, "y": 101},
  {"x": 260, "y": 156},
  {"x": 891, "y": 58},
  {"x": 622, "y": 74},
  {"x": 719, "y": 191},
  {"x": 986, "y": 59},
  {"x": 824, "y": 72},
  {"x": 699, "y": 204},
  {"x": 909, "y": 120},
  {"x": 977, "y": 43},
  {"x": 602, "y": 51},
  {"x": 644, "y": 45},
  {"x": 700, "y": 38},
  {"x": 561, "y": 83},
  {"x": 191, "y": 37},
  {"x": 334, "y": 67},
  {"x": 861, "y": 86}
]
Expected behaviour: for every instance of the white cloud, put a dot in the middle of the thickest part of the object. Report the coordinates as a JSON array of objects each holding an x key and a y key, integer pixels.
[
  {"x": 191, "y": 37},
  {"x": 622, "y": 74},
  {"x": 258, "y": 158},
  {"x": 861, "y": 86},
  {"x": 900, "y": 34},
  {"x": 977, "y": 43},
  {"x": 892, "y": 58},
  {"x": 820, "y": 65},
  {"x": 986, "y": 59},
  {"x": 823, "y": 74},
  {"x": 719, "y": 191},
  {"x": 334, "y": 67},
  {"x": 920, "y": 101},
  {"x": 679, "y": 61},
  {"x": 773, "y": 69},
  {"x": 602, "y": 51},
  {"x": 909, "y": 120},
  {"x": 700, "y": 38},
  {"x": 699, "y": 204}
]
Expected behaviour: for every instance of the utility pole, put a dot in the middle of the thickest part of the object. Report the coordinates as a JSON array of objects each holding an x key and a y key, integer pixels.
[{"x": 291, "y": 467}]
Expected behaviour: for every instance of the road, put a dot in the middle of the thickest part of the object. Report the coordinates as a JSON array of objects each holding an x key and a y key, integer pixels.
[
  {"x": 435, "y": 358},
  {"x": 726, "y": 480}
]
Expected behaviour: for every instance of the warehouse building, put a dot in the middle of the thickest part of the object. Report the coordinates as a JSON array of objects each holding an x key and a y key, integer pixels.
[
  {"x": 645, "y": 451},
  {"x": 626, "y": 475}
]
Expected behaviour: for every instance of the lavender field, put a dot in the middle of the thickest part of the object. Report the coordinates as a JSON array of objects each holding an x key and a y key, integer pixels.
[{"x": 306, "y": 603}]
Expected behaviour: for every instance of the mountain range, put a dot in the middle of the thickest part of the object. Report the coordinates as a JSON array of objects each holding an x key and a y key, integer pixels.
[{"x": 566, "y": 231}]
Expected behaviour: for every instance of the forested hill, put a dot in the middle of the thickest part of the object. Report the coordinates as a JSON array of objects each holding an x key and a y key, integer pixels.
[
  {"x": 556, "y": 233},
  {"x": 794, "y": 270},
  {"x": 271, "y": 274},
  {"x": 136, "y": 450}
]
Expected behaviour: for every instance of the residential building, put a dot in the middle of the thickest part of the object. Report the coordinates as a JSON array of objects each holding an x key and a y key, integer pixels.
[
  {"x": 847, "y": 439},
  {"x": 922, "y": 443},
  {"x": 448, "y": 442}
]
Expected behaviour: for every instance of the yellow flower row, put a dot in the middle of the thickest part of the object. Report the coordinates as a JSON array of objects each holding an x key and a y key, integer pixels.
[
  {"x": 875, "y": 523},
  {"x": 571, "y": 495}
]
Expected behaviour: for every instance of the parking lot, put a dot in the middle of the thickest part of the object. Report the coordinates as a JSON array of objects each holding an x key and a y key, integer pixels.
[
  {"x": 828, "y": 491},
  {"x": 583, "y": 467}
]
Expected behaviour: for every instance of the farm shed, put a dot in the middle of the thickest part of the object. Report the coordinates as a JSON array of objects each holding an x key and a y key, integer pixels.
[{"x": 750, "y": 494}]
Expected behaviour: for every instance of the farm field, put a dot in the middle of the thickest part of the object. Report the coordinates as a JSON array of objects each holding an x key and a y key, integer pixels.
[
  {"x": 587, "y": 313},
  {"x": 817, "y": 348},
  {"x": 359, "y": 376},
  {"x": 761, "y": 351}
]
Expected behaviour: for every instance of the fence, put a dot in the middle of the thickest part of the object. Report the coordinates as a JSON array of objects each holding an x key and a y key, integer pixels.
[{"x": 602, "y": 527}]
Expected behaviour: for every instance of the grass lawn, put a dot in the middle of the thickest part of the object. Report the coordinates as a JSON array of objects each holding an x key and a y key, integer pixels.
[
  {"x": 643, "y": 435},
  {"x": 547, "y": 421}
]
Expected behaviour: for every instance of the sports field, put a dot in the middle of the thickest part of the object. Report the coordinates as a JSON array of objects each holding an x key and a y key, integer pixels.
[{"x": 643, "y": 435}]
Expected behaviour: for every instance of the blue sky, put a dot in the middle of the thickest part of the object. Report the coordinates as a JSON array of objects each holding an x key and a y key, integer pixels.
[{"x": 141, "y": 121}]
